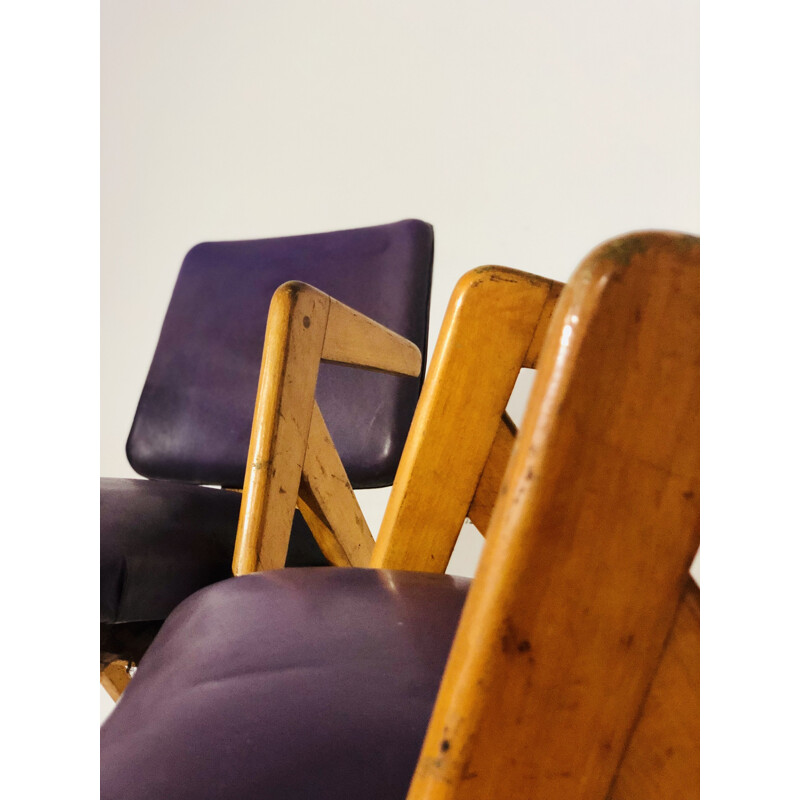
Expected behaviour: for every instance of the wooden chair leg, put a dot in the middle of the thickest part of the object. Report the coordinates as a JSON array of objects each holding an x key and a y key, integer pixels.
[{"x": 114, "y": 678}]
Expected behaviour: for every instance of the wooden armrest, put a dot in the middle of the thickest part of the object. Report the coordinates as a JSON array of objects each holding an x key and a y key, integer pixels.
[
  {"x": 290, "y": 450},
  {"x": 355, "y": 339}
]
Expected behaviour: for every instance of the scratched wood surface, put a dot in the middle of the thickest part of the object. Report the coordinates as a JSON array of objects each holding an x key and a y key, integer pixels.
[
  {"x": 662, "y": 760},
  {"x": 587, "y": 554},
  {"x": 296, "y": 327},
  {"x": 291, "y": 460},
  {"x": 491, "y": 477},
  {"x": 337, "y": 521},
  {"x": 493, "y": 319}
]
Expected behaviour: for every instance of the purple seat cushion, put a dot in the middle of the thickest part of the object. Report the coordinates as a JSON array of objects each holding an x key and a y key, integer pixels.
[
  {"x": 162, "y": 540},
  {"x": 195, "y": 412},
  {"x": 290, "y": 684}
]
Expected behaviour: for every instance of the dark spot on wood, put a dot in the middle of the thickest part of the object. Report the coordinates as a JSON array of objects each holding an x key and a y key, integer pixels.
[
  {"x": 306, "y": 322},
  {"x": 512, "y": 642},
  {"x": 627, "y": 641},
  {"x": 623, "y": 249},
  {"x": 281, "y": 490},
  {"x": 445, "y": 746},
  {"x": 637, "y": 314},
  {"x": 605, "y": 747},
  {"x": 670, "y": 751},
  {"x": 688, "y": 495}
]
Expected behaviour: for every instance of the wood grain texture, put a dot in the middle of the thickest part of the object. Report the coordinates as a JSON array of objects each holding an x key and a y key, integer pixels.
[
  {"x": 490, "y": 324},
  {"x": 291, "y": 459},
  {"x": 589, "y": 546},
  {"x": 293, "y": 342},
  {"x": 542, "y": 325},
  {"x": 662, "y": 760},
  {"x": 336, "y": 519},
  {"x": 353, "y": 338},
  {"x": 491, "y": 478}
]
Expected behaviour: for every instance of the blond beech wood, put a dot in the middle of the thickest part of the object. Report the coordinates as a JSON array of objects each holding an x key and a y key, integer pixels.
[
  {"x": 588, "y": 548},
  {"x": 543, "y": 325},
  {"x": 319, "y": 526},
  {"x": 296, "y": 327},
  {"x": 305, "y": 326},
  {"x": 352, "y": 338},
  {"x": 490, "y": 324},
  {"x": 483, "y": 502},
  {"x": 662, "y": 759},
  {"x": 114, "y": 679},
  {"x": 328, "y": 495}
]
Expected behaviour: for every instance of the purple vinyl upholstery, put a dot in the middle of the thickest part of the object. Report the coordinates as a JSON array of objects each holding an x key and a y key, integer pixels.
[
  {"x": 196, "y": 410},
  {"x": 290, "y": 684},
  {"x": 163, "y": 540}
]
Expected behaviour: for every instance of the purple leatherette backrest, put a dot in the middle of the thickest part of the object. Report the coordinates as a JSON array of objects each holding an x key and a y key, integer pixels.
[{"x": 194, "y": 416}]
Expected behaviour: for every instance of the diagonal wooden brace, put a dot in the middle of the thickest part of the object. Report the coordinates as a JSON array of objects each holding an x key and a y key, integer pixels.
[{"x": 290, "y": 446}]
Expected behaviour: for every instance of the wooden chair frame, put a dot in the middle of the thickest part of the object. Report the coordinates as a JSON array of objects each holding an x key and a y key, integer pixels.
[
  {"x": 575, "y": 668},
  {"x": 582, "y": 609},
  {"x": 292, "y": 461}
]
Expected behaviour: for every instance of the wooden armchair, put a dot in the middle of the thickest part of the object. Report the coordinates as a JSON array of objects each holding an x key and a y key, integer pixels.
[
  {"x": 292, "y": 460},
  {"x": 164, "y": 538},
  {"x": 574, "y": 668}
]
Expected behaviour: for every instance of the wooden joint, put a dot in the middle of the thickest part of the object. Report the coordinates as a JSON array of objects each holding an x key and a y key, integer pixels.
[{"x": 292, "y": 460}]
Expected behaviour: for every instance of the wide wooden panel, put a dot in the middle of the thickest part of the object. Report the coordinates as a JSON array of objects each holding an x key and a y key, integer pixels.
[
  {"x": 662, "y": 760},
  {"x": 589, "y": 547}
]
